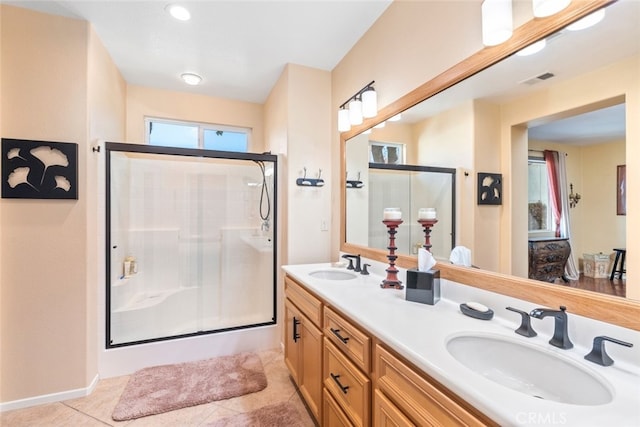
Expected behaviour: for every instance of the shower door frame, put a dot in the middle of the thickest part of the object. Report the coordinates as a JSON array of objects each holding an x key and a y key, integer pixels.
[{"x": 186, "y": 152}]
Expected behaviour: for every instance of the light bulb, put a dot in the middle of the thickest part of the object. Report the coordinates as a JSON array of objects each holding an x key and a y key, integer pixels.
[
  {"x": 497, "y": 21},
  {"x": 588, "y": 21},
  {"x": 355, "y": 112},
  {"x": 179, "y": 12},
  {"x": 544, "y": 8},
  {"x": 532, "y": 48},
  {"x": 343, "y": 120},
  {"x": 191, "y": 78},
  {"x": 369, "y": 103}
]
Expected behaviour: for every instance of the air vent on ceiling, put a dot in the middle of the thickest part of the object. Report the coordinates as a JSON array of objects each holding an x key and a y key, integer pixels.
[{"x": 537, "y": 79}]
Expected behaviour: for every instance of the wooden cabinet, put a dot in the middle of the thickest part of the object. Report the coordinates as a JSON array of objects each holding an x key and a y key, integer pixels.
[
  {"x": 333, "y": 415},
  {"x": 386, "y": 414},
  {"x": 303, "y": 344},
  {"x": 405, "y": 395},
  {"x": 347, "y": 363},
  {"x": 547, "y": 258},
  {"x": 349, "y": 379}
]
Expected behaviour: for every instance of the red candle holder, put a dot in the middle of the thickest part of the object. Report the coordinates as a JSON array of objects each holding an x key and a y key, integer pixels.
[
  {"x": 427, "y": 224},
  {"x": 392, "y": 280}
]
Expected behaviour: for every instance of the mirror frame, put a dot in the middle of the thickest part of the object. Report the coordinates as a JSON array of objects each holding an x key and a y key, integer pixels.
[{"x": 606, "y": 308}]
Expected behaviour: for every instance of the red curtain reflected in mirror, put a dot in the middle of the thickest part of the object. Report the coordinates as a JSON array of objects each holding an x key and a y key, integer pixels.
[{"x": 621, "y": 190}]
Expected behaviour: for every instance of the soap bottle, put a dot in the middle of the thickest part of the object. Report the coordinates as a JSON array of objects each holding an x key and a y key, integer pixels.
[{"x": 130, "y": 266}]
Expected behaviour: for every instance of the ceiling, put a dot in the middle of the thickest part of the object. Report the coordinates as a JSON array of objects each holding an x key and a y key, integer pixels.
[{"x": 239, "y": 47}]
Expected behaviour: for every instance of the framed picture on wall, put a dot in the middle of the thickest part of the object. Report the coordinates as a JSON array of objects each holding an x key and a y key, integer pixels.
[
  {"x": 39, "y": 169},
  {"x": 621, "y": 190},
  {"x": 489, "y": 188}
]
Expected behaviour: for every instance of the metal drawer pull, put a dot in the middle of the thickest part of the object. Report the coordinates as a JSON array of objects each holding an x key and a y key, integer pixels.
[
  {"x": 296, "y": 335},
  {"x": 336, "y": 332},
  {"x": 342, "y": 387}
]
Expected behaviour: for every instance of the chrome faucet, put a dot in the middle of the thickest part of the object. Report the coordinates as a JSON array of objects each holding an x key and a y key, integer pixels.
[
  {"x": 560, "y": 337},
  {"x": 357, "y": 268}
]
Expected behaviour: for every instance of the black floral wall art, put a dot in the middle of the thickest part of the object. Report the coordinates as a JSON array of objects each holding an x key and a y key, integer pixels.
[
  {"x": 489, "y": 188},
  {"x": 39, "y": 169}
]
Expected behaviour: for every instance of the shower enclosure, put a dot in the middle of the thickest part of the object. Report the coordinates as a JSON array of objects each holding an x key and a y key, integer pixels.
[{"x": 191, "y": 242}]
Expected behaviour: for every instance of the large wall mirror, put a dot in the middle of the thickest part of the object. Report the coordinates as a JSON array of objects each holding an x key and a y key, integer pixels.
[
  {"x": 591, "y": 132},
  {"x": 397, "y": 184}
]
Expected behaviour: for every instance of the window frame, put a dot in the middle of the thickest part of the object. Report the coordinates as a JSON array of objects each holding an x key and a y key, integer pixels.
[
  {"x": 202, "y": 127},
  {"x": 548, "y": 232}
]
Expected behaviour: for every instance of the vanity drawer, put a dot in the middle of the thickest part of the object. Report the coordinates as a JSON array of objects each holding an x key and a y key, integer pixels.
[
  {"x": 332, "y": 414},
  {"x": 307, "y": 303},
  {"x": 386, "y": 414},
  {"x": 355, "y": 344},
  {"x": 348, "y": 386},
  {"x": 420, "y": 400}
]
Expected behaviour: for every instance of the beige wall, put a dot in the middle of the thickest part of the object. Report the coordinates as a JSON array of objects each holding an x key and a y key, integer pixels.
[
  {"x": 149, "y": 102},
  {"x": 308, "y": 136},
  {"x": 44, "y": 243},
  {"x": 106, "y": 122},
  {"x": 58, "y": 84}
]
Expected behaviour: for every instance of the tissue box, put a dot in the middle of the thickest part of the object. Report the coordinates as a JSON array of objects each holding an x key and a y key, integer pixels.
[
  {"x": 423, "y": 286},
  {"x": 596, "y": 265}
]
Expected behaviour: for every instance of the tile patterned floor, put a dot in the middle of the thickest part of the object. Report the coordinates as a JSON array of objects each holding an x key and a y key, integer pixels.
[{"x": 95, "y": 410}]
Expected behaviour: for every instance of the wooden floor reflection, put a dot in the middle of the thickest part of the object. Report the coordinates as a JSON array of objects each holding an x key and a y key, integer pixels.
[{"x": 617, "y": 287}]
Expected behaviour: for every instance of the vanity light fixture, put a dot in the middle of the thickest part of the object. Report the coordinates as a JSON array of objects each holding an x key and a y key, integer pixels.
[
  {"x": 369, "y": 102},
  {"x": 191, "y": 78},
  {"x": 380, "y": 125},
  {"x": 362, "y": 105},
  {"x": 355, "y": 111},
  {"x": 179, "y": 12},
  {"x": 395, "y": 118},
  {"x": 343, "y": 120},
  {"x": 544, "y": 8},
  {"x": 497, "y": 21},
  {"x": 588, "y": 21}
]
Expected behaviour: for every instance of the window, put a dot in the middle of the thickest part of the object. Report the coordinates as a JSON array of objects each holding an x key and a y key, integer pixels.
[
  {"x": 540, "y": 211},
  {"x": 173, "y": 133},
  {"x": 386, "y": 152}
]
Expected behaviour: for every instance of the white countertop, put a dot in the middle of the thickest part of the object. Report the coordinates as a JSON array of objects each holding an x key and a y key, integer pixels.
[{"x": 419, "y": 333}]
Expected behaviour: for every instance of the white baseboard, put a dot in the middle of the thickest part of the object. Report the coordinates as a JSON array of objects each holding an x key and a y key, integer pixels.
[{"x": 50, "y": 398}]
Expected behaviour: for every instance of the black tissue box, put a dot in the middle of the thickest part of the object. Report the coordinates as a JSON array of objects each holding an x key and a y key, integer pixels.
[{"x": 423, "y": 286}]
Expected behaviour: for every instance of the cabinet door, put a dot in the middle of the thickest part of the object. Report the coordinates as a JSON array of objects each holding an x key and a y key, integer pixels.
[
  {"x": 292, "y": 337},
  {"x": 386, "y": 414},
  {"x": 332, "y": 415},
  {"x": 310, "y": 379}
]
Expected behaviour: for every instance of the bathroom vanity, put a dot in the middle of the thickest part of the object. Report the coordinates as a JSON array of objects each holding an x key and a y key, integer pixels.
[{"x": 389, "y": 361}]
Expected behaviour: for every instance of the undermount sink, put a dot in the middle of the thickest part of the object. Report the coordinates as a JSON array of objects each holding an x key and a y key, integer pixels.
[
  {"x": 332, "y": 275},
  {"x": 524, "y": 368}
]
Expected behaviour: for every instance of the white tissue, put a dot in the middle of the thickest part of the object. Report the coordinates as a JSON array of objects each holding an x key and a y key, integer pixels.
[
  {"x": 461, "y": 256},
  {"x": 425, "y": 260}
]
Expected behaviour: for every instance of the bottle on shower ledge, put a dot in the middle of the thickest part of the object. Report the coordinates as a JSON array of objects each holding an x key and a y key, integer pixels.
[{"x": 130, "y": 266}]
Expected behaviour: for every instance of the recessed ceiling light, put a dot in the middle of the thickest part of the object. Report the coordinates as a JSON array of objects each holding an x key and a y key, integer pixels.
[
  {"x": 179, "y": 12},
  {"x": 191, "y": 78}
]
